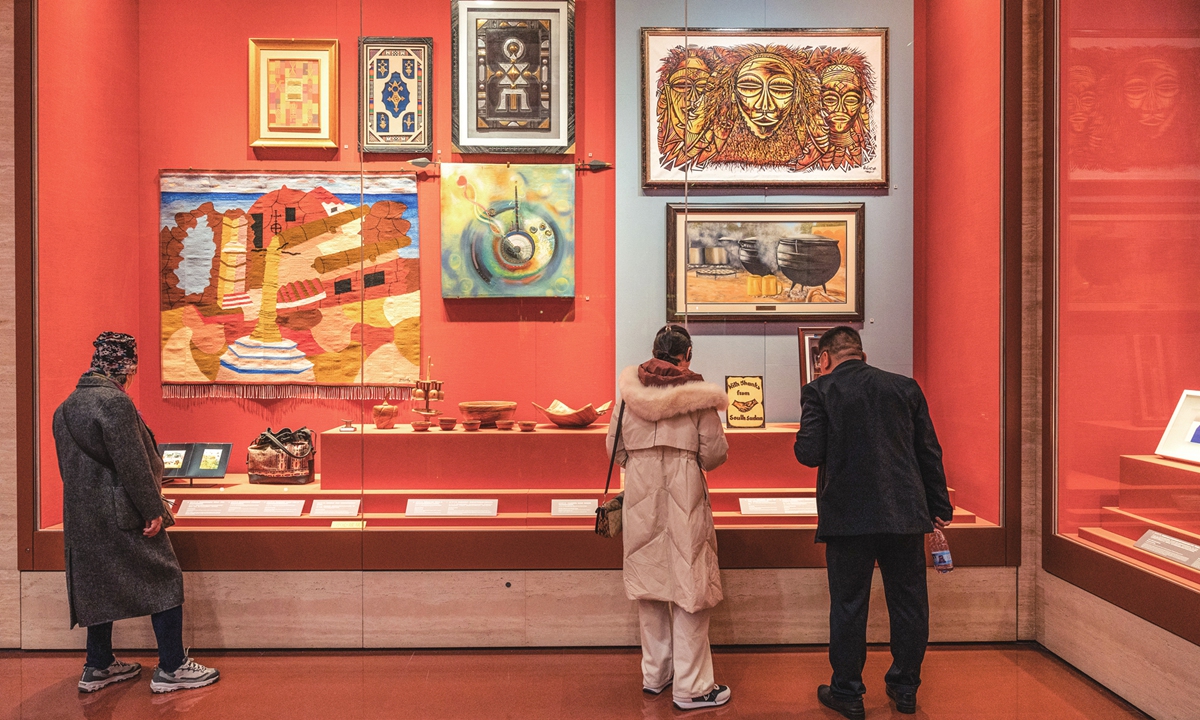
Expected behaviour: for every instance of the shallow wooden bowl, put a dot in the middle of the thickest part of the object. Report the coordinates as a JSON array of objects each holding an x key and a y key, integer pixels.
[{"x": 487, "y": 412}]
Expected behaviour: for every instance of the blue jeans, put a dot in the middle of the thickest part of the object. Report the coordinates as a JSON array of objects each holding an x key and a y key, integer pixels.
[{"x": 168, "y": 630}]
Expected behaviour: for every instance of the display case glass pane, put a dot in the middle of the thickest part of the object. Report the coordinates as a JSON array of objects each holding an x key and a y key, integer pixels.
[{"x": 1128, "y": 309}]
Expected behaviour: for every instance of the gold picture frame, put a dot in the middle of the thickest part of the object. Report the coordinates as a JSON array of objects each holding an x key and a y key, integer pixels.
[{"x": 293, "y": 93}]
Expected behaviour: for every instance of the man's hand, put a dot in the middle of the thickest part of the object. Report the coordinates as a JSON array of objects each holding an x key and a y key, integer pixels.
[
  {"x": 153, "y": 527},
  {"x": 940, "y": 523}
]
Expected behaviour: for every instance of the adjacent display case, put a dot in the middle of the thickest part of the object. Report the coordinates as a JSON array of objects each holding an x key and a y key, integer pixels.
[
  {"x": 1122, "y": 510},
  {"x": 305, "y": 284}
]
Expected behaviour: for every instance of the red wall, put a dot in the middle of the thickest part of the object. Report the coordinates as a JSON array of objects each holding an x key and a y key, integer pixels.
[
  {"x": 191, "y": 112},
  {"x": 88, "y": 267},
  {"x": 957, "y": 240}
]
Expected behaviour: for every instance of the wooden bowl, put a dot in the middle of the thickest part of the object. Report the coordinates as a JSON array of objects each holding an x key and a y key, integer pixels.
[
  {"x": 487, "y": 412},
  {"x": 527, "y": 425},
  {"x": 447, "y": 423},
  {"x": 470, "y": 425},
  {"x": 420, "y": 425},
  {"x": 563, "y": 416},
  {"x": 504, "y": 424}
]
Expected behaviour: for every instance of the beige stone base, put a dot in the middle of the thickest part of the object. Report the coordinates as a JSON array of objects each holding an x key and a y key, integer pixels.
[{"x": 503, "y": 609}]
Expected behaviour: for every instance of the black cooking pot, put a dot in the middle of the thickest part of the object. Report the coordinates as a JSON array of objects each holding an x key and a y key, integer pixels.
[
  {"x": 748, "y": 254},
  {"x": 809, "y": 260}
]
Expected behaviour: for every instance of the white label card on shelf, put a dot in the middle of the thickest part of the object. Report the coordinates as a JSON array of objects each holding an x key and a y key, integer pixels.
[
  {"x": 335, "y": 508},
  {"x": 573, "y": 508},
  {"x": 240, "y": 508},
  {"x": 451, "y": 508},
  {"x": 1171, "y": 548},
  {"x": 778, "y": 506},
  {"x": 348, "y": 524}
]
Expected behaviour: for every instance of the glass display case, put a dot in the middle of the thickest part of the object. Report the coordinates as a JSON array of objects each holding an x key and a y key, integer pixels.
[
  {"x": 1126, "y": 198},
  {"x": 289, "y": 214}
]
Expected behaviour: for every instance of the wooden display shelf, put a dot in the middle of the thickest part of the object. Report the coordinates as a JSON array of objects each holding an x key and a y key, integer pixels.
[
  {"x": 400, "y": 458},
  {"x": 1123, "y": 546}
]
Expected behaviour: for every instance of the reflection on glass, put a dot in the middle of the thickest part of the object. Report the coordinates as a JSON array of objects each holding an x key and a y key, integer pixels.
[{"x": 1129, "y": 259}]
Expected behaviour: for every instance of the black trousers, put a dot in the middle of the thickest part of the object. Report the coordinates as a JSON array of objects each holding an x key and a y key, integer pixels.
[
  {"x": 168, "y": 630},
  {"x": 850, "y": 564}
]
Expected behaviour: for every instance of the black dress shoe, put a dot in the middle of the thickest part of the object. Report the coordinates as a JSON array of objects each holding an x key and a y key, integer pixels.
[
  {"x": 906, "y": 702},
  {"x": 852, "y": 709}
]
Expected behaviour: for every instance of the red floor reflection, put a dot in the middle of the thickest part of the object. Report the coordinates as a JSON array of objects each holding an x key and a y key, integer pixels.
[{"x": 980, "y": 682}]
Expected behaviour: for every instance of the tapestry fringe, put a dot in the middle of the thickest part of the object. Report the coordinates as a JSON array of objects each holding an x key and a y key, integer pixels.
[{"x": 286, "y": 392}]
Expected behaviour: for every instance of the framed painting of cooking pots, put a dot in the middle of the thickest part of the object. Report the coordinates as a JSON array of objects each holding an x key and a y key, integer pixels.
[
  {"x": 764, "y": 108},
  {"x": 797, "y": 263}
]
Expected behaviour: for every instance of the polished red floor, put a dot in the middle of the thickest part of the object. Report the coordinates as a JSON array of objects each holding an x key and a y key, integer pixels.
[{"x": 980, "y": 682}]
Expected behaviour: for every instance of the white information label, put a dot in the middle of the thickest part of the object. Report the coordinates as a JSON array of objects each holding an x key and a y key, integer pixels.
[
  {"x": 240, "y": 508},
  {"x": 1171, "y": 548},
  {"x": 451, "y": 508},
  {"x": 573, "y": 508},
  {"x": 335, "y": 508},
  {"x": 348, "y": 524},
  {"x": 778, "y": 506}
]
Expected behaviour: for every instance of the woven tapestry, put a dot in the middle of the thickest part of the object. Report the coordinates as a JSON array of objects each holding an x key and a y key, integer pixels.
[{"x": 289, "y": 285}]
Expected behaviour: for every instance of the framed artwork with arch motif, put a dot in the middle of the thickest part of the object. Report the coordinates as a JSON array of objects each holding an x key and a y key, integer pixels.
[{"x": 762, "y": 108}]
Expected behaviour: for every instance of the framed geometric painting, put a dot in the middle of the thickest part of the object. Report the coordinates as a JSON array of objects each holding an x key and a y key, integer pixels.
[
  {"x": 293, "y": 93},
  {"x": 514, "y": 76},
  {"x": 395, "y": 96},
  {"x": 761, "y": 108}
]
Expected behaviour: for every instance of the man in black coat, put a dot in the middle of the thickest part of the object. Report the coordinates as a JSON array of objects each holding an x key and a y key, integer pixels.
[{"x": 880, "y": 488}]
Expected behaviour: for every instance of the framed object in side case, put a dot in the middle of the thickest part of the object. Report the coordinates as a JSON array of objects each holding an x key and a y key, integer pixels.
[
  {"x": 765, "y": 262},
  {"x": 514, "y": 76},
  {"x": 395, "y": 94},
  {"x": 1181, "y": 439},
  {"x": 293, "y": 93},
  {"x": 757, "y": 108}
]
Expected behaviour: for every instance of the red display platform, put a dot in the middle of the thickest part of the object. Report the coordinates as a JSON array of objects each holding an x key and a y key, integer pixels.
[{"x": 549, "y": 457}]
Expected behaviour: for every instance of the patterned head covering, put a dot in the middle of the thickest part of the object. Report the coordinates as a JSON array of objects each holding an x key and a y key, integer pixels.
[{"x": 115, "y": 356}]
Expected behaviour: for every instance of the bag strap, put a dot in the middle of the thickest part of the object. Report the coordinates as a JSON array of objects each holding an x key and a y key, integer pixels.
[
  {"x": 612, "y": 459},
  {"x": 270, "y": 436}
]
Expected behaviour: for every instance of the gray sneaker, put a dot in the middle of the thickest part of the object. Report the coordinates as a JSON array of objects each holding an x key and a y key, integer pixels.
[
  {"x": 93, "y": 679},
  {"x": 189, "y": 676}
]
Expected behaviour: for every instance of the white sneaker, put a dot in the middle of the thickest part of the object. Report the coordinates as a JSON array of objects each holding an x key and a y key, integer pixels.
[
  {"x": 189, "y": 676},
  {"x": 719, "y": 696},
  {"x": 94, "y": 679}
]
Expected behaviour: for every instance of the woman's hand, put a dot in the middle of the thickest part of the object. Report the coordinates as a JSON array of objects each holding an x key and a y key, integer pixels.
[{"x": 153, "y": 527}]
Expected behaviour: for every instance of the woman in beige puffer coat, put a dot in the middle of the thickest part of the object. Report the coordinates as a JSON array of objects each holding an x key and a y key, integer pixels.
[{"x": 671, "y": 433}]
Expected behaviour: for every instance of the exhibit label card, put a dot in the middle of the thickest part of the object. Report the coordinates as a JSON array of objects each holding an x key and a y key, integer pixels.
[
  {"x": 451, "y": 508},
  {"x": 335, "y": 508},
  {"x": 240, "y": 508},
  {"x": 745, "y": 402},
  {"x": 573, "y": 508},
  {"x": 1171, "y": 548},
  {"x": 778, "y": 506}
]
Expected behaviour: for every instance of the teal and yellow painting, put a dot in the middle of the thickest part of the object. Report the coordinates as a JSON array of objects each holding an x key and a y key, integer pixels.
[{"x": 508, "y": 231}]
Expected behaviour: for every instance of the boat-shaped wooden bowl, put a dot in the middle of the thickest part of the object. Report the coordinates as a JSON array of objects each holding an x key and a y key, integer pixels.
[
  {"x": 563, "y": 416},
  {"x": 487, "y": 412}
]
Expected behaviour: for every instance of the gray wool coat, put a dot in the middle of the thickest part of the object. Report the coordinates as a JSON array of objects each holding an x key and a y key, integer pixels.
[{"x": 113, "y": 571}]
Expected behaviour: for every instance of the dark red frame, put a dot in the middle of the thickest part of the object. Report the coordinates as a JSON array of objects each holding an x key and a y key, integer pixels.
[
  {"x": 475, "y": 549},
  {"x": 1147, "y": 594}
]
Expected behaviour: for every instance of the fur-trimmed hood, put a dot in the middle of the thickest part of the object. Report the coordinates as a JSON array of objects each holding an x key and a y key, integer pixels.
[{"x": 659, "y": 403}]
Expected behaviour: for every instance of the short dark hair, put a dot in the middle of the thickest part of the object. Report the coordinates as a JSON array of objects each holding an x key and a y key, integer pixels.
[
  {"x": 671, "y": 342},
  {"x": 838, "y": 341}
]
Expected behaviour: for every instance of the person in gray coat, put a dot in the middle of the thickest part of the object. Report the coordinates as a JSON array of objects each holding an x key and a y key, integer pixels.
[{"x": 119, "y": 560}]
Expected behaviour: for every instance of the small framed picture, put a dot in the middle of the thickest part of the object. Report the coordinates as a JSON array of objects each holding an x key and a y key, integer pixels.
[
  {"x": 293, "y": 93},
  {"x": 809, "y": 340},
  {"x": 514, "y": 76},
  {"x": 799, "y": 263},
  {"x": 395, "y": 94}
]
